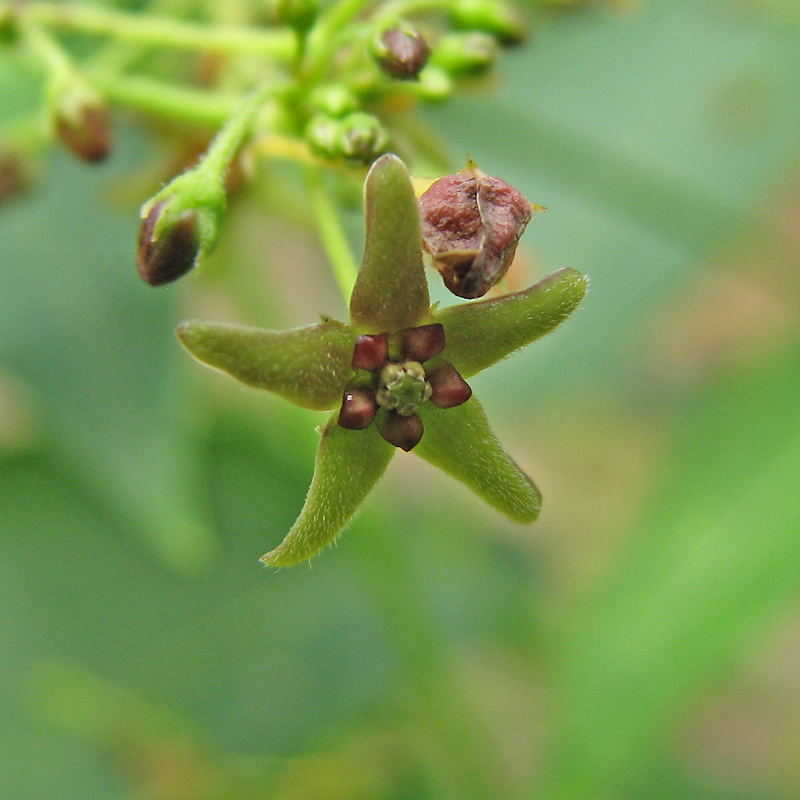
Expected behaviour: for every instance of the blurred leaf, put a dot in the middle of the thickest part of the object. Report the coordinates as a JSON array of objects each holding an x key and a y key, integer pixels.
[{"x": 709, "y": 565}]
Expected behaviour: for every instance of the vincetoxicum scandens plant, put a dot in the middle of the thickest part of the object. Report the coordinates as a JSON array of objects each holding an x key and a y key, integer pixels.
[{"x": 394, "y": 376}]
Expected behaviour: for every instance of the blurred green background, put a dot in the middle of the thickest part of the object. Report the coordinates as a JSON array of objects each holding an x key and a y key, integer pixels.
[{"x": 642, "y": 640}]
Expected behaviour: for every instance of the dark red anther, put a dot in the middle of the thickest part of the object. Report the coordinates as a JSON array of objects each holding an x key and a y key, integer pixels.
[
  {"x": 358, "y": 408},
  {"x": 402, "y": 432},
  {"x": 449, "y": 389},
  {"x": 422, "y": 343},
  {"x": 371, "y": 352}
]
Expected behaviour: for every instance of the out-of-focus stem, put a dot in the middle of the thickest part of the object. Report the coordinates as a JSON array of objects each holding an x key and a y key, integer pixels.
[
  {"x": 278, "y": 44},
  {"x": 166, "y": 100},
  {"x": 333, "y": 238}
]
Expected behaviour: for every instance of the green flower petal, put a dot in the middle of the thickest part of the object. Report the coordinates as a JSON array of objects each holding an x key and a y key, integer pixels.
[
  {"x": 349, "y": 464},
  {"x": 482, "y": 333},
  {"x": 309, "y": 366},
  {"x": 460, "y": 442},
  {"x": 391, "y": 291}
]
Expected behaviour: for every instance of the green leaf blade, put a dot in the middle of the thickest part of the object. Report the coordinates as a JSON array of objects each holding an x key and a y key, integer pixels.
[
  {"x": 460, "y": 442},
  {"x": 481, "y": 334},
  {"x": 349, "y": 464},
  {"x": 308, "y": 366},
  {"x": 391, "y": 291}
]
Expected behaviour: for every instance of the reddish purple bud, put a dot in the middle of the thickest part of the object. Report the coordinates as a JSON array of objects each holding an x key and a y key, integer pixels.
[
  {"x": 401, "y": 51},
  {"x": 358, "y": 408},
  {"x": 402, "y": 432},
  {"x": 86, "y": 131},
  {"x": 471, "y": 224},
  {"x": 423, "y": 342},
  {"x": 449, "y": 389},
  {"x": 371, "y": 352},
  {"x": 172, "y": 253}
]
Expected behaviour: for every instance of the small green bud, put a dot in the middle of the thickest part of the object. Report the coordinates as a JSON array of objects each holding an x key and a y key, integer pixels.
[
  {"x": 323, "y": 134},
  {"x": 491, "y": 16},
  {"x": 363, "y": 138},
  {"x": 298, "y": 14},
  {"x": 400, "y": 51},
  {"x": 82, "y": 122},
  {"x": 179, "y": 226},
  {"x": 333, "y": 100},
  {"x": 467, "y": 54},
  {"x": 435, "y": 85}
]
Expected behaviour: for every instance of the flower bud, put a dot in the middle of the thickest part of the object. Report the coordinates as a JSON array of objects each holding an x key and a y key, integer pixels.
[
  {"x": 82, "y": 124},
  {"x": 363, "y": 138},
  {"x": 401, "y": 51},
  {"x": 435, "y": 85},
  {"x": 491, "y": 16},
  {"x": 471, "y": 224},
  {"x": 465, "y": 54},
  {"x": 323, "y": 134},
  {"x": 298, "y": 14},
  {"x": 333, "y": 100},
  {"x": 169, "y": 245}
]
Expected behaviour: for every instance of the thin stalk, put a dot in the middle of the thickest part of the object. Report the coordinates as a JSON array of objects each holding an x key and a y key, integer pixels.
[
  {"x": 159, "y": 99},
  {"x": 323, "y": 40},
  {"x": 222, "y": 150},
  {"x": 278, "y": 44},
  {"x": 333, "y": 238}
]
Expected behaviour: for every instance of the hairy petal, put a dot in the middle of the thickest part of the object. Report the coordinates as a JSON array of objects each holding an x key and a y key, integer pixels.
[
  {"x": 391, "y": 291},
  {"x": 482, "y": 333},
  {"x": 460, "y": 442},
  {"x": 309, "y": 366},
  {"x": 349, "y": 464}
]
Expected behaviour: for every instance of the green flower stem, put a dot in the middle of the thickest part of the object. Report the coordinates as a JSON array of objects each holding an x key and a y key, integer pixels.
[
  {"x": 323, "y": 41},
  {"x": 229, "y": 139},
  {"x": 165, "y": 100},
  {"x": 405, "y": 8},
  {"x": 58, "y": 64},
  {"x": 345, "y": 268},
  {"x": 279, "y": 44}
]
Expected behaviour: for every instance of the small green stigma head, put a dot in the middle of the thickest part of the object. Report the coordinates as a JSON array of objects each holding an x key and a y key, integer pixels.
[{"x": 403, "y": 387}]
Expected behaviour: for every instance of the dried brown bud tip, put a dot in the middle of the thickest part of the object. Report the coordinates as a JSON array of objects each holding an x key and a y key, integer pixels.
[
  {"x": 358, "y": 408},
  {"x": 86, "y": 131},
  {"x": 471, "y": 224},
  {"x": 402, "y": 432},
  {"x": 401, "y": 51},
  {"x": 173, "y": 252},
  {"x": 423, "y": 342},
  {"x": 371, "y": 352},
  {"x": 449, "y": 388}
]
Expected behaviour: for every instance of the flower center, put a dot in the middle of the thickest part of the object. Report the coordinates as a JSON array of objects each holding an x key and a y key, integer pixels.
[{"x": 402, "y": 387}]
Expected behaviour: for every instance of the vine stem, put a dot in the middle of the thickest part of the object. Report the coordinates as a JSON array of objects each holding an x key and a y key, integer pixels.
[
  {"x": 279, "y": 44},
  {"x": 344, "y": 266}
]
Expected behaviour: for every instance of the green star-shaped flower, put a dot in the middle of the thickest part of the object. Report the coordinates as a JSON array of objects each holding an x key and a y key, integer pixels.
[{"x": 394, "y": 377}]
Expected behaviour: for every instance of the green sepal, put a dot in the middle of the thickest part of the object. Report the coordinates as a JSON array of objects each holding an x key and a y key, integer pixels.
[
  {"x": 308, "y": 366},
  {"x": 198, "y": 191},
  {"x": 349, "y": 464},
  {"x": 460, "y": 442},
  {"x": 391, "y": 291},
  {"x": 482, "y": 333}
]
